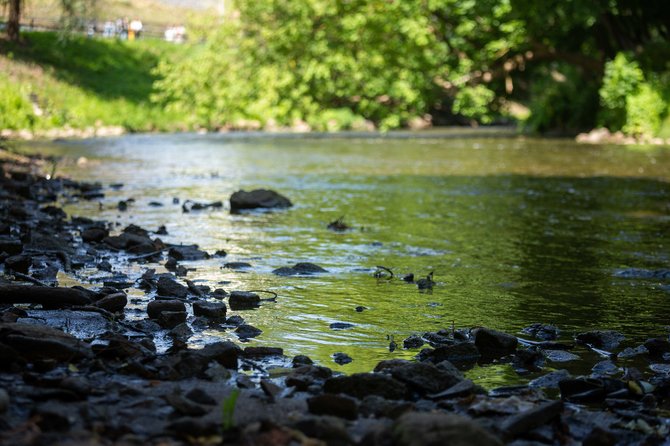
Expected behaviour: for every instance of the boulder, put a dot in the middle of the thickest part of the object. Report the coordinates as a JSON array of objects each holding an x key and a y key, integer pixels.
[
  {"x": 170, "y": 287},
  {"x": 461, "y": 353},
  {"x": 425, "y": 377},
  {"x": 494, "y": 344},
  {"x": 210, "y": 310},
  {"x": 335, "y": 405},
  {"x": 38, "y": 342},
  {"x": 243, "y": 300},
  {"x": 360, "y": 385},
  {"x": 187, "y": 252},
  {"x": 258, "y": 198},
  {"x": 156, "y": 307},
  {"x": 302, "y": 269},
  {"x": 113, "y": 302}
]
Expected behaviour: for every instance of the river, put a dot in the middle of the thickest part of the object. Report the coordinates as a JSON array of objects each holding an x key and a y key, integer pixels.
[{"x": 515, "y": 230}]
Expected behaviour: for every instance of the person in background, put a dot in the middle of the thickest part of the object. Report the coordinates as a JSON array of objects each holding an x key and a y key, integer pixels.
[{"x": 136, "y": 28}]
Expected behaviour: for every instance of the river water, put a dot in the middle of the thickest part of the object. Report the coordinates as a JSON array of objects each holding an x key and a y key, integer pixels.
[{"x": 515, "y": 230}]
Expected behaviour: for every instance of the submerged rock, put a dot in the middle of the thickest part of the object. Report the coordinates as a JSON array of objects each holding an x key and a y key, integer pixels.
[
  {"x": 303, "y": 268},
  {"x": 342, "y": 358},
  {"x": 605, "y": 339},
  {"x": 258, "y": 198}
]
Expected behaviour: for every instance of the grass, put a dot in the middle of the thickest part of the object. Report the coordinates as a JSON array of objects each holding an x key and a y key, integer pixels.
[{"x": 48, "y": 82}]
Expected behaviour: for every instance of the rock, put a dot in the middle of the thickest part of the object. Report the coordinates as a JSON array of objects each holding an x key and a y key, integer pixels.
[
  {"x": 201, "y": 397},
  {"x": 77, "y": 384},
  {"x": 170, "y": 287},
  {"x": 413, "y": 341},
  {"x": 657, "y": 347},
  {"x": 94, "y": 235},
  {"x": 604, "y": 339},
  {"x": 48, "y": 297},
  {"x": 114, "y": 303},
  {"x": 187, "y": 252},
  {"x": 170, "y": 319},
  {"x": 270, "y": 389},
  {"x": 262, "y": 352},
  {"x": 300, "y": 360},
  {"x": 4, "y": 401},
  {"x": 184, "y": 405},
  {"x": 225, "y": 353},
  {"x": 335, "y": 405},
  {"x": 542, "y": 331},
  {"x": 528, "y": 420},
  {"x": 494, "y": 344},
  {"x": 528, "y": 360},
  {"x": 341, "y": 325},
  {"x": 303, "y": 269},
  {"x": 156, "y": 307},
  {"x": 36, "y": 342},
  {"x": 181, "y": 331},
  {"x": 341, "y": 358},
  {"x": 605, "y": 368},
  {"x": 210, "y": 310},
  {"x": 258, "y": 198},
  {"x": 329, "y": 430},
  {"x": 51, "y": 417},
  {"x": 10, "y": 245},
  {"x": 246, "y": 331},
  {"x": 360, "y": 385},
  {"x": 243, "y": 300},
  {"x": 462, "y": 353},
  {"x": 629, "y": 352},
  {"x": 560, "y": 356},
  {"x": 237, "y": 265},
  {"x": 418, "y": 429},
  {"x": 425, "y": 377},
  {"x": 187, "y": 428},
  {"x": 19, "y": 263},
  {"x": 461, "y": 389},
  {"x": 550, "y": 380}
]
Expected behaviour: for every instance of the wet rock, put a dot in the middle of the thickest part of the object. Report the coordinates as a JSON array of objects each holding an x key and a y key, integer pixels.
[
  {"x": 77, "y": 384},
  {"x": 4, "y": 401},
  {"x": 170, "y": 287},
  {"x": 342, "y": 358},
  {"x": 494, "y": 344},
  {"x": 190, "y": 205},
  {"x": 542, "y": 331},
  {"x": 199, "y": 396},
  {"x": 115, "y": 346},
  {"x": 187, "y": 252},
  {"x": 104, "y": 266},
  {"x": 360, "y": 309},
  {"x": 460, "y": 389},
  {"x": 258, "y": 198},
  {"x": 378, "y": 407},
  {"x": 330, "y": 430},
  {"x": 113, "y": 303},
  {"x": 341, "y": 325},
  {"x": 303, "y": 377},
  {"x": 300, "y": 360},
  {"x": 35, "y": 342},
  {"x": 126, "y": 241},
  {"x": 560, "y": 356},
  {"x": 657, "y": 347},
  {"x": 220, "y": 253},
  {"x": 605, "y": 368},
  {"x": 247, "y": 331},
  {"x": 360, "y": 385},
  {"x": 437, "y": 339},
  {"x": 590, "y": 390},
  {"x": 303, "y": 269},
  {"x": 417, "y": 429},
  {"x": 185, "y": 406},
  {"x": 10, "y": 245},
  {"x": 425, "y": 377},
  {"x": 219, "y": 294},
  {"x": 427, "y": 283},
  {"x": 550, "y": 380},
  {"x": 528, "y": 420},
  {"x": 262, "y": 352},
  {"x": 464, "y": 353},
  {"x": 225, "y": 353},
  {"x": 639, "y": 273},
  {"x": 94, "y": 235},
  {"x": 604, "y": 339},
  {"x": 413, "y": 341},
  {"x": 19, "y": 263},
  {"x": 243, "y": 300},
  {"x": 335, "y": 405},
  {"x": 237, "y": 265},
  {"x": 235, "y": 320},
  {"x": 48, "y": 297},
  {"x": 528, "y": 360},
  {"x": 181, "y": 331},
  {"x": 630, "y": 352},
  {"x": 600, "y": 437},
  {"x": 158, "y": 306},
  {"x": 51, "y": 417},
  {"x": 170, "y": 319},
  {"x": 187, "y": 428},
  {"x": 210, "y": 310}
]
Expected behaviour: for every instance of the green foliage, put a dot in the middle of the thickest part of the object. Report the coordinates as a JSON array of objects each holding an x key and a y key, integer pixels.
[
  {"x": 474, "y": 103},
  {"x": 15, "y": 109},
  {"x": 644, "y": 111},
  {"x": 622, "y": 79},
  {"x": 562, "y": 100},
  {"x": 228, "y": 410}
]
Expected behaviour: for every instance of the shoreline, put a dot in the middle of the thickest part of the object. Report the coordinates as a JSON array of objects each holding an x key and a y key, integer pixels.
[{"x": 54, "y": 383}]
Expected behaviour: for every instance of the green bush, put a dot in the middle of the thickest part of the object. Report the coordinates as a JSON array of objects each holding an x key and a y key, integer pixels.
[
  {"x": 16, "y": 112},
  {"x": 644, "y": 111},
  {"x": 622, "y": 79},
  {"x": 474, "y": 103}
]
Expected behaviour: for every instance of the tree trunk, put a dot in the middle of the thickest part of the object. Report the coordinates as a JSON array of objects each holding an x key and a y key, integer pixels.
[{"x": 13, "y": 20}]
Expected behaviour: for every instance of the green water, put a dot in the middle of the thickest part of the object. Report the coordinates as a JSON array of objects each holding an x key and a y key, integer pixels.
[{"x": 515, "y": 230}]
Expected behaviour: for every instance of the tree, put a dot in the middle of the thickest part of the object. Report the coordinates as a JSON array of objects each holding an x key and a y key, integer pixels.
[
  {"x": 72, "y": 12},
  {"x": 13, "y": 20}
]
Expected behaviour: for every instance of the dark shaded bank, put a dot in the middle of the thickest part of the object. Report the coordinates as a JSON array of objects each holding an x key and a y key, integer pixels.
[{"x": 97, "y": 366}]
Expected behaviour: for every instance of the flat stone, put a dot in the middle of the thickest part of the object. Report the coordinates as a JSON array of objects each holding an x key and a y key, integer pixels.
[
  {"x": 210, "y": 310},
  {"x": 156, "y": 307},
  {"x": 341, "y": 325},
  {"x": 258, "y": 198},
  {"x": 360, "y": 385},
  {"x": 187, "y": 252},
  {"x": 560, "y": 356},
  {"x": 243, "y": 300},
  {"x": 494, "y": 344},
  {"x": 461, "y": 353},
  {"x": 246, "y": 331},
  {"x": 550, "y": 380},
  {"x": 425, "y": 377},
  {"x": 303, "y": 269},
  {"x": 335, "y": 405}
]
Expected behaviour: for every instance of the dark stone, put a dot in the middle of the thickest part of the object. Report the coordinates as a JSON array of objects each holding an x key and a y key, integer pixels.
[
  {"x": 582, "y": 390},
  {"x": 528, "y": 360},
  {"x": 305, "y": 376},
  {"x": 187, "y": 252},
  {"x": 219, "y": 294},
  {"x": 225, "y": 353},
  {"x": 657, "y": 347},
  {"x": 201, "y": 397},
  {"x": 114, "y": 303},
  {"x": 550, "y": 380},
  {"x": 156, "y": 307},
  {"x": 378, "y": 407},
  {"x": 10, "y": 245},
  {"x": 604, "y": 339},
  {"x": 329, "y": 430},
  {"x": 629, "y": 352},
  {"x": 542, "y": 331},
  {"x": 247, "y": 331},
  {"x": 181, "y": 331},
  {"x": 170, "y": 319},
  {"x": 494, "y": 344},
  {"x": 600, "y": 437},
  {"x": 342, "y": 358},
  {"x": 528, "y": 420},
  {"x": 187, "y": 428},
  {"x": 341, "y": 325},
  {"x": 335, "y": 405},
  {"x": 185, "y": 406},
  {"x": 360, "y": 385},
  {"x": 416, "y": 429},
  {"x": 461, "y": 389},
  {"x": 237, "y": 265},
  {"x": 262, "y": 352},
  {"x": 463, "y": 353},
  {"x": 413, "y": 341},
  {"x": 210, "y": 310},
  {"x": 360, "y": 309},
  {"x": 94, "y": 235},
  {"x": 220, "y": 253},
  {"x": 235, "y": 320},
  {"x": 243, "y": 300},
  {"x": 299, "y": 269},
  {"x": 559, "y": 356},
  {"x": 51, "y": 417},
  {"x": 259, "y": 198},
  {"x": 37, "y": 342},
  {"x": 19, "y": 263},
  {"x": 425, "y": 377},
  {"x": 300, "y": 360},
  {"x": 170, "y": 287}
]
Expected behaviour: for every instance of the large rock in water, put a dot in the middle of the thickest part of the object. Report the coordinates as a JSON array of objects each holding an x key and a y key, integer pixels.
[
  {"x": 494, "y": 344},
  {"x": 258, "y": 198}
]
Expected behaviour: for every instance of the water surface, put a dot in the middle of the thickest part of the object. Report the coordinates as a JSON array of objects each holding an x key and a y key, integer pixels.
[{"x": 515, "y": 230}]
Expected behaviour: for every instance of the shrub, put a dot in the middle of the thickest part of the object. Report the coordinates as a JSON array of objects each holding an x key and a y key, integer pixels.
[
  {"x": 622, "y": 79},
  {"x": 644, "y": 111}
]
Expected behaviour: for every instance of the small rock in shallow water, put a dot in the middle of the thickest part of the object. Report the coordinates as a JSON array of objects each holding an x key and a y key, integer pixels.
[
  {"x": 170, "y": 319},
  {"x": 243, "y": 300},
  {"x": 560, "y": 356},
  {"x": 247, "y": 331},
  {"x": 258, "y": 198},
  {"x": 303, "y": 268},
  {"x": 360, "y": 309},
  {"x": 335, "y": 405},
  {"x": 156, "y": 307},
  {"x": 629, "y": 352},
  {"x": 542, "y": 331},
  {"x": 605, "y": 368},
  {"x": 210, "y": 310},
  {"x": 550, "y": 380},
  {"x": 341, "y": 358},
  {"x": 605, "y": 339},
  {"x": 494, "y": 344},
  {"x": 170, "y": 287},
  {"x": 341, "y": 325},
  {"x": 237, "y": 265}
]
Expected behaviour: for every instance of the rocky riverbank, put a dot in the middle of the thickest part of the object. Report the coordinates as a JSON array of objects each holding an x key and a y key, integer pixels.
[{"x": 93, "y": 365}]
